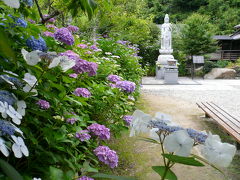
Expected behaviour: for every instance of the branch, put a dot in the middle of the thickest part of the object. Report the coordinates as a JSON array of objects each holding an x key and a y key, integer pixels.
[{"x": 44, "y": 20}]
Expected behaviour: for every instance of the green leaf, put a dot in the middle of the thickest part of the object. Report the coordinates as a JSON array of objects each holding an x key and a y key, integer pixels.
[
  {"x": 10, "y": 171},
  {"x": 149, "y": 140},
  {"x": 107, "y": 176},
  {"x": 183, "y": 160},
  {"x": 161, "y": 170},
  {"x": 55, "y": 173}
]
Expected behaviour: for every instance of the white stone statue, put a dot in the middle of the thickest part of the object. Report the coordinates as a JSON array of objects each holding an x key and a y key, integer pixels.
[
  {"x": 166, "y": 37},
  {"x": 166, "y": 50}
]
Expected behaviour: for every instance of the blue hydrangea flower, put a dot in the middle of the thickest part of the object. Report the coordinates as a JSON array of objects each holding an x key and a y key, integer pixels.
[
  {"x": 6, "y": 96},
  {"x": 20, "y": 22},
  {"x": 6, "y": 128},
  {"x": 199, "y": 137},
  {"x": 36, "y": 44},
  {"x": 14, "y": 80},
  {"x": 28, "y": 2}
]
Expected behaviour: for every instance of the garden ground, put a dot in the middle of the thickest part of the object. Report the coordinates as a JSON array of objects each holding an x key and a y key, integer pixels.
[{"x": 180, "y": 102}]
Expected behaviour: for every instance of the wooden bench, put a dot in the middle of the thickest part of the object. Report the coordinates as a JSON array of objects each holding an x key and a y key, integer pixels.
[{"x": 228, "y": 122}]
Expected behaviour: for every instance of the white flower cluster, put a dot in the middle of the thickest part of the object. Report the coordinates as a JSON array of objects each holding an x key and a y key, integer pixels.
[
  {"x": 18, "y": 146},
  {"x": 179, "y": 141},
  {"x": 33, "y": 58}
]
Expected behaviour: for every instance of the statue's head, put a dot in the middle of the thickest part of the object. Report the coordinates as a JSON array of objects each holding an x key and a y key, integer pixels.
[{"x": 166, "y": 19}]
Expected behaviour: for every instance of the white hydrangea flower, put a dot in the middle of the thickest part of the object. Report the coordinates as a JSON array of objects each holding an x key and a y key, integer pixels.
[
  {"x": 37, "y": 178},
  {"x": 115, "y": 57},
  {"x": 216, "y": 152},
  {"x": 19, "y": 148},
  {"x": 6, "y": 80},
  {"x": 66, "y": 63},
  {"x": 16, "y": 117},
  {"x": 139, "y": 123},
  {"x": 32, "y": 58},
  {"x": 21, "y": 106},
  {"x": 179, "y": 142},
  {"x": 3, "y": 109},
  {"x": 108, "y": 53},
  {"x": 55, "y": 62},
  {"x": 153, "y": 134},
  {"x": 3, "y": 148},
  {"x": 31, "y": 81},
  {"x": 12, "y": 3}
]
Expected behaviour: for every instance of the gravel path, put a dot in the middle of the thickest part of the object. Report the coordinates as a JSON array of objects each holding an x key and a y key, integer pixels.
[{"x": 225, "y": 93}]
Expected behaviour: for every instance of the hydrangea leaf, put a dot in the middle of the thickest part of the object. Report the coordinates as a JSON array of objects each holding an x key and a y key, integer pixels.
[
  {"x": 10, "y": 171},
  {"x": 183, "y": 160},
  {"x": 161, "y": 170}
]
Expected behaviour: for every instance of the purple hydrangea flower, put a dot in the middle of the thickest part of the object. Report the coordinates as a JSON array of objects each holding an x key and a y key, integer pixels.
[
  {"x": 73, "y": 29},
  {"x": 92, "y": 68},
  {"x": 43, "y": 104},
  {"x": 70, "y": 54},
  {"x": 95, "y": 48},
  {"x": 88, "y": 52},
  {"x": 74, "y": 75},
  {"x": 51, "y": 26},
  {"x": 128, "y": 119},
  {"x": 64, "y": 35},
  {"x": 83, "y": 46},
  {"x": 48, "y": 34},
  {"x": 107, "y": 156},
  {"x": 71, "y": 120},
  {"x": 123, "y": 42},
  {"x": 113, "y": 78},
  {"x": 112, "y": 85},
  {"x": 84, "y": 92},
  {"x": 85, "y": 178},
  {"x": 83, "y": 135},
  {"x": 32, "y": 21},
  {"x": 83, "y": 66},
  {"x": 99, "y": 130},
  {"x": 52, "y": 20},
  {"x": 126, "y": 86},
  {"x": 37, "y": 44}
]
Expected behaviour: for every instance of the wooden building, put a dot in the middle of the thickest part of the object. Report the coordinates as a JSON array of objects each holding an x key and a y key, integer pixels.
[{"x": 229, "y": 46}]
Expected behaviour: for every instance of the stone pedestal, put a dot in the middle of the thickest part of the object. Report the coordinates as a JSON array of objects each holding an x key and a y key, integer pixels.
[
  {"x": 171, "y": 75},
  {"x": 163, "y": 60}
]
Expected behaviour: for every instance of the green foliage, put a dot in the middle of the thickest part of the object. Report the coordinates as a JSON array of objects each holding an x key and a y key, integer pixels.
[
  {"x": 183, "y": 160},
  {"x": 55, "y": 152},
  {"x": 197, "y": 35},
  {"x": 164, "y": 172},
  {"x": 209, "y": 65},
  {"x": 9, "y": 171}
]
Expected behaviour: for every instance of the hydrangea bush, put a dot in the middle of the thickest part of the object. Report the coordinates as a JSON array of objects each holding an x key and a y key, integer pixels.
[{"x": 57, "y": 110}]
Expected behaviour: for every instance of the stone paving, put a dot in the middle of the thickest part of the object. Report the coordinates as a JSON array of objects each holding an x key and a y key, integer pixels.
[{"x": 225, "y": 93}]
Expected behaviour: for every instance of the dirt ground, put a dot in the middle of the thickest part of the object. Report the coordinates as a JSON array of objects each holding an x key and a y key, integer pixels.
[{"x": 187, "y": 115}]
